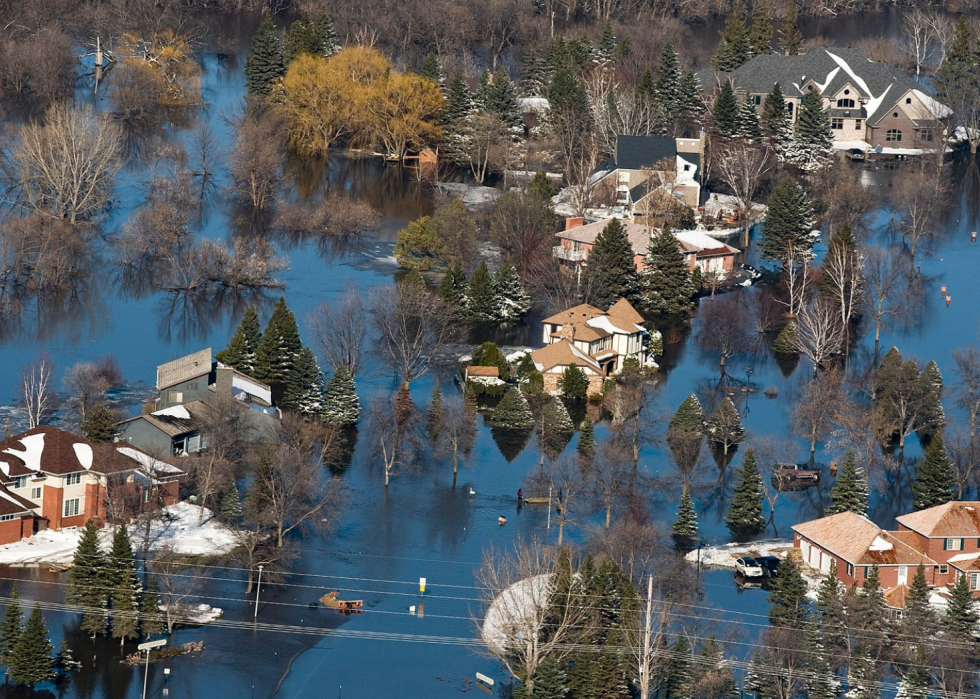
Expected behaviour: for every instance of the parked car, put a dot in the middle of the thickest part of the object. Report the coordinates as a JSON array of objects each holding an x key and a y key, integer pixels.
[
  {"x": 748, "y": 566},
  {"x": 769, "y": 565},
  {"x": 856, "y": 154},
  {"x": 789, "y": 476}
]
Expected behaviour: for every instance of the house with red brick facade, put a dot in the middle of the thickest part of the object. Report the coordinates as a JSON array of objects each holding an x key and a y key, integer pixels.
[{"x": 52, "y": 479}]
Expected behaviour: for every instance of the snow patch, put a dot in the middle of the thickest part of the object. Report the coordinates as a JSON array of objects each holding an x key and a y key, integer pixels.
[
  {"x": 177, "y": 411},
  {"x": 854, "y": 76},
  {"x": 830, "y": 76},
  {"x": 880, "y": 544},
  {"x": 83, "y": 452},
  {"x": 724, "y": 556},
  {"x": 538, "y": 105},
  {"x": 33, "y": 448},
  {"x": 939, "y": 109}
]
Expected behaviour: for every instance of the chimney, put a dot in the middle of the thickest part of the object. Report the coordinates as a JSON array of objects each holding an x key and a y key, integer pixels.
[
  {"x": 574, "y": 222},
  {"x": 222, "y": 382}
]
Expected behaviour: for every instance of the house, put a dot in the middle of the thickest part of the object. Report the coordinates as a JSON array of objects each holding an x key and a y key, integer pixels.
[
  {"x": 198, "y": 376},
  {"x": 635, "y": 172},
  {"x": 699, "y": 249},
  {"x": 174, "y": 431},
  {"x": 871, "y": 104},
  {"x": 52, "y": 479},
  {"x": 597, "y": 342},
  {"x": 950, "y": 535}
]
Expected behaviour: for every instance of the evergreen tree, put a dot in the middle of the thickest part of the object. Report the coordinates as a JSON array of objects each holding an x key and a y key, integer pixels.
[
  {"x": 775, "y": 122},
  {"x": 574, "y": 383},
  {"x": 481, "y": 96},
  {"x": 862, "y": 674},
  {"x": 958, "y": 67},
  {"x": 549, "y": 680},
  {"x": 279, "y": 347},
  {"x": 435, "y": 418},
  {"x": 87, "y": 582},
  {"x": 301, "y": 38},
  {"x": 689, "y": 417},
  {"x": 606, "y": 50},
  {"x": 569, "y": 101},
  {"x": 831, "y": 614},
  {"x": 789, "y": 221},
  {"x": 747, "y": 121},
  {"x": 555, "y": 428},
  {"x": 685, "y": 527},
  {"x": 151, "y": 619},
  {"x": 341, "y": 407},
  {"x": 850, "y": 492},
  {"x": 914, "y": 684},
  {"x": 787, "y": 342},
  {"x": 540, "y": 188},
  {"x": 813, "y": 140},
  {"x": 680, "y": 677},
  {"x": 64, "y": 661},
  {"x": 501, "y": 101},
  {"x": 32, "y": 663},
  {"x": 961, "y": 615},
  {"x": 870, "y": 615},
  {"x": 788, "y": 605},
  {"x": 230, "y": 511},
  {"x": 821, "y": 682},
  {"x": 11, "y": 628},
  {"x": 934, "y": 482},
  {"x": 790, "y": 36},
  {"x": 512, "y": 412},
  {"x": 513, "y": 301},
  {"x": 667, "y": 289},
  {"x": 724, "y": 429},
  {"x": 744, "y": 517},
  {"x": 304, "y": 386},
  {"x": 733, "y": 50},
  {"x": 99, "y": 424},
  {"x": 724, "y": 115},
  {"x": 611, "y": 274},
  {"x": 918, "y": 617},
  {"x": 329, "y": 40},
  {"x": 459, "y": 107},
  {"x": 667, "y": 87},
  {"x": 489, "y": 354},
  {"x": 760, "y": 37},
  {"x": 123, "y": 587},
  {"x": 586, "y": 439},
  {"x": 264, "y": 66},
  {"x": 482, "y": 301},
  {"x": 534, "y": 73},
  {"x": 933, "y": 419},
  {"x": 420, "y": 246},
  {"x": 453, "y": 287},
  {"x": 691, "y": 108},
  {"x": 430, "y": 69},
  {"x": 240, "y": 353}
]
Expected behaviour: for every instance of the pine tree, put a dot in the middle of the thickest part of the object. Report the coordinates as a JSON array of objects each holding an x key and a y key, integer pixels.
[
  {"x": 64, "y": 661},
  {"x": 724, "y": 115},
  {"x": 667, "y": 87},
  {"x": 813, "y": 140},
  {"x": 304, "y": 386},
  {"x": 459, "y": 107},
  {"x": 501, "y": 101},
  {"x": 788, "y": 605},
  {"x": 86, "y": 581},
  {"x": 831, "y": 614},
  {"x": 264, "y": 66},
  {"x": 691, "y": 103},
  {"x": 611, "y": 274},
  {"x": 99, "y": 424},
  {"x": 513, "y": 412},
  {"x": 790, "y": 36},
  {"x": 685, "y": 527},
  {"x": 787, "y": 342},
  {"x": 419, "y": 246},
  {"x": 961, "y": 615},
  {"x": 324, "y": 29},
  {"x": 151, "y": 619},
  {"x": 733, "y": 50},
  {"x": 918, "y": 617},
  {"x": 549, "y": 680},
  {"x": 850, "y": 492},
  {"x": 747, "y": 121},
  {"x": 435, "y": 418},
  {"x": 775, "y": 122},
  {"x": 862, "y": 674},
  {"x": 667, "y": 289},
  {"x": 586, "y": 439},
  {"x": 821, "y": 683},
  {"x": 123, "y": 587},
  {"x": 574, "y": 383},
  {"x": 934, "y": 482},
  {"x": 760, "y": 37},
  {"x": 789, "y": 220},
  {"x": 744, "y": 517},
  {"x": 679, "y": 674},
  {"x": 933, "y": 418},
  {"x": 341, "y": 407},
  {"x": 230, "y": 511},
  {"x": 555, "y": 428},
  {"x": 958, "y": 66},
  {"x": 689, "y": 417},
  {"x": 240, "y": 353},
  {"x": 453, "y": 287},
  {"x": 725, "y": 429},
  {"x": 431, "y": 70},
  {"x": 11, "y": 628},
  {"x": 32, "y": 663},
  {"x": 869, "y": 619},
  {"x": 279, "y": 347},
  {"x": 482, "y": 301},
  {"x": 513, "y": 300},
  {"x": 301, "y": 38},
  {"x": 534, "y": 73},
  {"x": 489, "y": 354}
]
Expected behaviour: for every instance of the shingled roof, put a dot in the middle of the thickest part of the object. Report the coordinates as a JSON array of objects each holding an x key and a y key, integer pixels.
[
  {"x": 184, "y": 368},
  {"x": 638, "y": 152},
  {"x": 860, "y": 541},
  {"x": 960, "y": 519},
  {"x": 563, "y": 353}
]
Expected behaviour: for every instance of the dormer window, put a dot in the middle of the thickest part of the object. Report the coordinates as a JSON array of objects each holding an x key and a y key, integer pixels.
[
  {"x": 20, "y": 482},
  {"x": 845, "y": 103}
]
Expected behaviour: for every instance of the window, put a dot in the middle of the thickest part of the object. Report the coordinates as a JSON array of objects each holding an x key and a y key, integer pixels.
[
  {"x": 757, "y": 100},
  {"x": 789, "y": 108},
  {"x": 847, "y": 92},
  {"x": 857, "y": 123},
  {"x": 146, "y": 494},
  {"x": 850, "y": 569},
  {"x": 908, "y": 100},
  {"x": 73, "y": 479},
  {"x": 893, "y": 135},
  {"x": 687, "y": 168},
  {"x": 20, "y": 482},
  {"x": 837, "y": 124},
  {"x": 925, "y": 134},
  {"x": 845, "y": 103},
  {"x": 943, "y": 569},
  {"x": 36, "y": 493},
  {"x": 974, "y": 582},
  {"x": 953, "y": 545},
  {"x": 176, "y": 396},
  {"x": 72, "y": 507},
  {"x": 864, "y": 572},
  {"x": 7, "y": 518},
  {"x": 895, "y": 115}
]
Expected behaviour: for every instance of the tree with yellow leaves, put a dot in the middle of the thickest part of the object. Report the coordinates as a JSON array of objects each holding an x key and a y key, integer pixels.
[{"x": 157, "y": 77}]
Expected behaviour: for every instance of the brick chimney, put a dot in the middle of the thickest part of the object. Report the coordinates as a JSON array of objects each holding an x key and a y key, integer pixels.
[{"x": 574, "y": 222}]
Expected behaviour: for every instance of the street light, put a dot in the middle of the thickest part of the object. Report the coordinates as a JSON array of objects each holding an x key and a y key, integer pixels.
[{"x": 258, "y": 588}]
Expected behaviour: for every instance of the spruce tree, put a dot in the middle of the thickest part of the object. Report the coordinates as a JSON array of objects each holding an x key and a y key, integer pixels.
[
  {"x": 230, "y": 511},
  {"x": 549, "y": 680},
  {"x": 301, "y": 38},
  {"x": 958, "y": 67},
  {"x": 831, "y": 613},
  {"x": 489, "y": 354},
  {"x": 32, "y": 663},
  {"x": 304, "y": 386},
  {"x": 99, "y": 424},
  {"x": 240, "y": 353},
  {"x": 325, "y": 31},
  {"x": 775, "y": 122},
  {"x": 747, "y": 121},
  {"x": 279, "y": 347},
  {"x": 11, "y": 628},
  {"x": 933, "y": 418},
  {"x": 667, "y": 87},
  {"x": 689, "y": 418},
  {"x": 501, "y": 101},
  {"x": 790, "y": 36},
  {"x": 813, "y": 140},
  {"x": 482, "y": 301},
  {"x": 64, "y": 661},
  {"x": 667, "y": 289},
  {"x": 788, "y": 606},
  {"x": 586, "y": 439},
  {"x": 151, "y": 618},
  {"x": 960, "y": 619},
  {"x": 123, "y": 587},
  {"x": 862, "y": 673},
  {"x": 869, "y": 618},
  {"x": 724, "y": 429},
  {"x": 787, "y": 342},
  {"x": 691, "y": 108},
  {"x": 453, "y": 287},
  {"x": 744, "y": 517},
  {"x": 733, "y": 50},
  {"x": 934, "y": 482},
  {"x": 685, "y": 527},
  {"x": 611, "y": 274},
  {"x": 430, "y": 69},
  {"x": 850, "y": 492},
  {"x": 760, "y": 37},
  {"x": 789, "y": 220},
  {"x": 574, "y": 383},
  {"x": 724, "y": 115},
  {"x": 341, "y": 406},
  {"x": 87, "y": 581},
  {"x": 534, "y": 72},
  {"x": 555, "y": 428},
  {"x": 513, "y": 301},
  {"x": 264, "y": 66},
  {"x": 435, "y": 418},
  {"x": 680, "y": 676},
  {"x": 918, "y": 617},
  {"x": 821, "y": 682},
  {"x": 512, "y": 412}
]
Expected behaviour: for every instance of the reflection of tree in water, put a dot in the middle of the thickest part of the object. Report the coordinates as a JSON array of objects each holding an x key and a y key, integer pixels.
[
  {"x": 73, "y": 312},
  {"x": 966, "y": 178},
  {"x": 188, "y": 316},
  {"x": 448, "y": 518},
  {"x": 510, "y": 442}
]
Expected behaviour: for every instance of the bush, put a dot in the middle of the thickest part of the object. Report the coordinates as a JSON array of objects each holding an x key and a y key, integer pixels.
[{"x": 488, "y": 354}]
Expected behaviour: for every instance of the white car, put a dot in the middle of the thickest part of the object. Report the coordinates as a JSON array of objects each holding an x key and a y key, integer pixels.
[{"x": 748, "y": 567}]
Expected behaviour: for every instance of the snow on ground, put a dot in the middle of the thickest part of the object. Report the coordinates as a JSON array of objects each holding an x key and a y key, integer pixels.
[
  {"x": 473, "y": 196},
  {"x": 724, "y": 556},
  {"x": 177, "y": 529}
]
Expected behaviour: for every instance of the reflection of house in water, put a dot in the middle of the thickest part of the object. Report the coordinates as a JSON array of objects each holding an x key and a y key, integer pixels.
[{"x": 189, "y": 388}]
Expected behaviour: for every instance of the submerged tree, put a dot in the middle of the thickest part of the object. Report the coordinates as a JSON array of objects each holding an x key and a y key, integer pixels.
[
  {"x": 934, "y": 482},
  {"x": 685, "y": 527},
  {"x": 744, "y": 517},
  {"x": 850, "y": 492}
]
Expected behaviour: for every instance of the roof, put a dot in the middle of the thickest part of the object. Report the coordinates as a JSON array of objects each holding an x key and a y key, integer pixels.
[
  {"x": 184, "y": 369},
  {"x": 638, "y": 234},
  {"x": 562, "y": 353},
  {"x": 830, "y": 70},
  {"x": 623, "y": 310},
  {"x": 703, "y": 244},
  {"x": 895, "y": 596},
  {"x": 951, "y": 519},
  {"x": 176, "y": 420},
  {"x": 860, "y": 541},
  {"x": 575, "y": 314},
  {"x": 14, "y": 504},
  {"x": 483, "y": 371},
  {"x": 965, "y": 561},
  {"x": 638, "y": 152}
]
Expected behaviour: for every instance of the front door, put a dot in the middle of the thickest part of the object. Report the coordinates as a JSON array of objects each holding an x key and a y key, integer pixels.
[{"x": 903, "y": 575}]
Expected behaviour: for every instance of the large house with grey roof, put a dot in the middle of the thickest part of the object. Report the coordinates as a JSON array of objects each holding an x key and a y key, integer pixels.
[{"x": 871, "y": 104}]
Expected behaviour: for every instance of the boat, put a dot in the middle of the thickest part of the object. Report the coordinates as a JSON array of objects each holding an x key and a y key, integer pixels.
[
  {"x": 330, "y": 601},
  {"x": 790, "y": 476},
  {"x": 537, "y": 501}
]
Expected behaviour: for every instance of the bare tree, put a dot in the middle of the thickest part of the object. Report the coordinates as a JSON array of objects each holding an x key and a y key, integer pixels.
[
  {"x": 64, "y": 167},
  {"x": 37, "y": 397},
  {"x": 610, "y": 475},
  {"x": 966, "y": 388},
  {"x": 820, "y": 331},
  {"x": 724, "y": 325},
  {"x": 256, "y": 162},
  {"x": 177, "y": 583},
  {"x": 338, "y": 326},
  {"x": 87, "y": 383},
  {"x": 916, "y": 38},
  {"x": 456, "y": 434},
  {"x": 920, "y": 196},
  {"x": 815, "y": 411},
  {"x": 796, "y": 276},
  {"x": 885, "y": 288},
  {"x": 842, "y": 282},
  {"x": 222, "y": 426},
  {"x": 742, "y": 165},
  {"x": 390, "y": 439}
]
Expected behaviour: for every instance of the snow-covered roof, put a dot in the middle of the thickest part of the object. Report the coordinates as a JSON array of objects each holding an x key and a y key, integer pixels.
[
  {"x": 178, "y": 411},
  {"x": 880, "y": 544},
  {"x": 30, "y": 455}
]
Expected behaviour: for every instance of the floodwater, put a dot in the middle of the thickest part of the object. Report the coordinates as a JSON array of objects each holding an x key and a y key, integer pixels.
[{"x": 420, "y": 527}]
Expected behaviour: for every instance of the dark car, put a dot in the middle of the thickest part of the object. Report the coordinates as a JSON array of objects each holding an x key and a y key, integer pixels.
[{"x": 769, "y": 565}]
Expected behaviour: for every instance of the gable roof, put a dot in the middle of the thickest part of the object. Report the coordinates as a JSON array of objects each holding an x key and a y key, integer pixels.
[
  {"x": 860, "y": 541},
  {"x": 184, "y": 368},
  {"x": 638, "y": 152},
  {"x": 637, "y": 233},
  {"x": 176, "y": 420},
  {"x": 14, "y": 504},
  {"x": 575, "y": 314},
  {"x": 563, "y": 353},
  {"x": 623, "y": 311},
  {"x": 951, "y": 519}
]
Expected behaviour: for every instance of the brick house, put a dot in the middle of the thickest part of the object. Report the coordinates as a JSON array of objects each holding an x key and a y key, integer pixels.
[
  {"x": 52, "y": 479},
  {"x": 950, "y": 535}
]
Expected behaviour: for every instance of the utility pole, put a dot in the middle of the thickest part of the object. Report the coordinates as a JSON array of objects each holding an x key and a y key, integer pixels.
[
  {"x": 258, "y": 588},
  {"x": 645, "y": 660}
]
